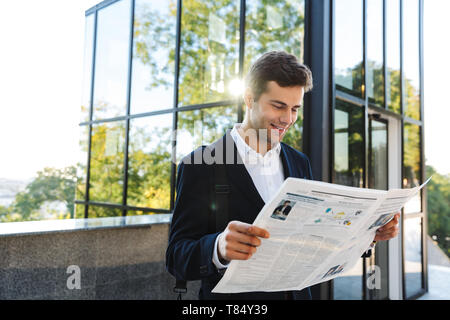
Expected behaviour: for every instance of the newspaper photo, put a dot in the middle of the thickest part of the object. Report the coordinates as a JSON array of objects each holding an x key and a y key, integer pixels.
[{"x": 317, "y": 231}]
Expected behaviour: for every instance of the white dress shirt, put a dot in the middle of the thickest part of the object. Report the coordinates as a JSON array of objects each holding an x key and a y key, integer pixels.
[{"x": 266, "y": 172}]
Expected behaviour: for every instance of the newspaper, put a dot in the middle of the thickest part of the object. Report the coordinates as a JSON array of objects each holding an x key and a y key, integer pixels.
[{"x": 317, "y": 231}]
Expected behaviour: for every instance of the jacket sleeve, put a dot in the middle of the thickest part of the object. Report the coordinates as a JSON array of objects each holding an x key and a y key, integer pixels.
[{"x": 190, "y": 248}]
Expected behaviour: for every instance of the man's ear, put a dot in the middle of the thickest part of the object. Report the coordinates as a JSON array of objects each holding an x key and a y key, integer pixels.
[{"x": 248, "y": 97}]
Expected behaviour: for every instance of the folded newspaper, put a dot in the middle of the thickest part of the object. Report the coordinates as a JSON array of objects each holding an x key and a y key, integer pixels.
[{"x": 317, "y": 231}]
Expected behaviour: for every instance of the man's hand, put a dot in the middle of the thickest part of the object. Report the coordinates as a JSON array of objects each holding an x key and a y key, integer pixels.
[
  {"x": 388, "y": 231},
  {"x": 239, "y": 241}
]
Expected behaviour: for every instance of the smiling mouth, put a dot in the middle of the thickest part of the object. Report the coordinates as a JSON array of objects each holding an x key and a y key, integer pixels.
[{"x": 280, "y": 129}]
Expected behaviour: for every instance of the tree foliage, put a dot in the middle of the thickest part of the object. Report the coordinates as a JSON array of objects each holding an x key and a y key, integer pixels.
[
  {"x": 50, "y": 185},
  {"x": 438, "y": 205}
]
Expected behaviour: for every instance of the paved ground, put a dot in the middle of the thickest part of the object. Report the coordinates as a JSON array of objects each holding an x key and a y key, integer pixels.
[{"x": 438, "y": 274}]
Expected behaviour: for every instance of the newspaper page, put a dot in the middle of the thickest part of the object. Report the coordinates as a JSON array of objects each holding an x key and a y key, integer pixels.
[{"x": 317, "y": 231}]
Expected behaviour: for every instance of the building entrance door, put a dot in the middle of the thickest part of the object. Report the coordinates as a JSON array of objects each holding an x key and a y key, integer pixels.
[{"x": 377, "y": 271}]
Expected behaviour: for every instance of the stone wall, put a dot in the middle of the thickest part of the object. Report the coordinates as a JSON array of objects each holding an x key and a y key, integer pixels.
[{"x": 114, "y": 263}]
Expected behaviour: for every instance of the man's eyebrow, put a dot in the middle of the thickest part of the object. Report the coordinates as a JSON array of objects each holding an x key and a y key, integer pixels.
[{"x": 284, "y": 104}]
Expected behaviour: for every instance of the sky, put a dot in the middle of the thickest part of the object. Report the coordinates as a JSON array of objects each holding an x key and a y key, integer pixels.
[{"x": 41, "y": 79}]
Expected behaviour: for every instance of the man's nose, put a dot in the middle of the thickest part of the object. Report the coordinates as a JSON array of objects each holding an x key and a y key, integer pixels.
[{"x": 287, "y": 117}]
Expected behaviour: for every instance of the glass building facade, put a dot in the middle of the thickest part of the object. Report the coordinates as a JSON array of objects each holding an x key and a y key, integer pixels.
[{"x": 164, "y": 77}]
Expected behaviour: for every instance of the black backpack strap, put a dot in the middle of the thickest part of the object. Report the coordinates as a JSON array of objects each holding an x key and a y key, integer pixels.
[
  {"x": 220, "y": 191},
  {"x": 218, "y": 219},
  {"x": 180, "y": 287}
]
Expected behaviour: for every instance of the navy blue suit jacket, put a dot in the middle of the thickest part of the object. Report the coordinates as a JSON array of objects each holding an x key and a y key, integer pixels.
[{"x": 191, "y": 242}]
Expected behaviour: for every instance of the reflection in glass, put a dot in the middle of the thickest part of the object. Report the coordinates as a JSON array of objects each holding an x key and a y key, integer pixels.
[
  {"x": 375, "y": 72},
  {"x": 413, "y": 255},
  {"x": 378, "y": 161},
  {"x": 412, "y": 164},
  {"x": 411, "y": 156},
  {"x": 202, "y": 127},
  {"x": 100, "y": 211},
  {"x": 294, "y": 136},
  {"x": 349, "y": 285},
  {"x": 393, "y": 54},
  {"x": 411, "y": 63},
  {"x": 79, "y": 211},
  {"x": 149, "y": 162},
  {"x": 87, "y": 67},
  {"x": 111, "y": 60},
  {"x": 153, "y": 55},
  {"x": 107, "y": 158},
  {"x": 348, "y": 144},
  {"x": 83, "y": 143},
  {"x": 209, "y": 50},
  {"x": 349, "y": 46},
  {"x": 273, "y": 25}
]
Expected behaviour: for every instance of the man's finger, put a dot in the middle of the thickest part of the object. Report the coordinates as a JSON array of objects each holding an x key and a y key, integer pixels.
[
  {"x": 248, "y": 229},
  {"x": 257, "y": 231},
  {"x": 236, "y": 236}
]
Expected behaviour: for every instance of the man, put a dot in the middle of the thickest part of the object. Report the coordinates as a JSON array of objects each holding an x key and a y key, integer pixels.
[
  {"x": 281, "y": 212},
  {"x": 276, "y": 84},
  {"x": 284, "y": 209}
]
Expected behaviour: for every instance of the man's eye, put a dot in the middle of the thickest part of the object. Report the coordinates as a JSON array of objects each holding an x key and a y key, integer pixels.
[{"x": 278, "y": 107}]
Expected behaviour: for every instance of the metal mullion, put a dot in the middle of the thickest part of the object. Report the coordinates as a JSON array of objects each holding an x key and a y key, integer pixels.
[
  {"x": 413, "y": 121},
  {"x": 366, "y": 133},
  {"x": 332, "y": 97},
  {"x": 242, "y": 21},
  {"x": 173, "y": 169},
  {"x": 385, "y": 69},
  {"x": 422, "y": 153},
  {"x": 151, "y": 113},
  {"x": 206, "y": 105},
  {"x": 124, "y": 207},
  {"x": 343, "y": 96},
  {"x": 91, "y": 108},
  {"x": 385, "y": 112},
  {"x": 127, "y": 122},
  {"x": 100, "y": 6}
]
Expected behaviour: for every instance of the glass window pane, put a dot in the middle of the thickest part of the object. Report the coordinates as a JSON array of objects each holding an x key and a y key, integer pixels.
[
  {"x": 294, "y": 136},
  {"x": 202, "y": 127},
  {"x": 79, "y": 211},
  {"x": 413, "y": 256},
  {"x": 153, "y": 55},
  {"x": 348, "y": 46},
  {"x": 149, "y": 162},
  {"x": 412, "y": 173},
  {"x": 375, "y": 71},
  {"x": 378, "y": 161},
  {"x": 107, "y": 157},
  {"x": 348, "y": 144},
  {"x": 279, "y": 25},
  {"x": 411, "y": 63},
  {"x": 349, "y": 285},
  {"x": 209, "y": 50},
  {"x": 381, "y": 260},
  {"x": 87, "y": 67},
  {"x": 393, "y": 54},
  {"x": 111, "y": 60},
  {"x": 100, "y": 211},
  {"x": 81, "y": 163}
]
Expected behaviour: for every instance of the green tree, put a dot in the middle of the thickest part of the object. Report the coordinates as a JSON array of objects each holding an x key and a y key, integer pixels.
[
  {"x": 50, "y": 185},
  {"x": 438, "y": 203}
]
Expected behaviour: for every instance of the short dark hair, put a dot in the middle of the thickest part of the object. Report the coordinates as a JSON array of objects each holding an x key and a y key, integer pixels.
[{"x": 281, "y": 67}]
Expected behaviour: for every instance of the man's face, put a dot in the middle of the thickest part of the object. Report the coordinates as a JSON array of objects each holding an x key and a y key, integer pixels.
[{"x": 276, "y": 110}]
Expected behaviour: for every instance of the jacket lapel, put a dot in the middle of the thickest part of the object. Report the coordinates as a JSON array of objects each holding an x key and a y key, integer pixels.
[
  {"x": 288, "y": 169},
  {"x": 241, "y": 179}
]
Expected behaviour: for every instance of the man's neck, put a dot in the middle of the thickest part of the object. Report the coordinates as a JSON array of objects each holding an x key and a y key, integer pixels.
[{"x": 252, "y": 139}]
